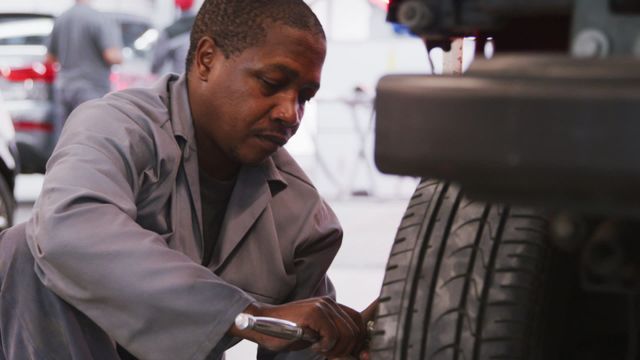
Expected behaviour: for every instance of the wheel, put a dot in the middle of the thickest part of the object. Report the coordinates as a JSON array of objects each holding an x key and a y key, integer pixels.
[
  {"x": 470, "y": 280},
  {"x": 7, "y": 205}
]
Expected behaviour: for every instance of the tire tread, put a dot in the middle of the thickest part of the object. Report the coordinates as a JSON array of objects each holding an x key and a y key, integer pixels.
[{"x": 483, "y": 264}]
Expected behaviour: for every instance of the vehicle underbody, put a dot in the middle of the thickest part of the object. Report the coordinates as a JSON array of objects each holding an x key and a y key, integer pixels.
[{"x": 520, "y": 240}]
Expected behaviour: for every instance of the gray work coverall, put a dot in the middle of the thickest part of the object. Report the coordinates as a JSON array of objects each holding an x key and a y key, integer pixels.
[{"x": 116, "y": 234}]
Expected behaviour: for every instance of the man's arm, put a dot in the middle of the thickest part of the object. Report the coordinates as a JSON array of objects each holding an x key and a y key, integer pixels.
[
  {"x": 109, "y": 40},
  {"x": 112, "y": 56},
  {"x": 50, "y": 59},
  {"x": 155, "y": 301},
  {"x": 318, "y": 240}
]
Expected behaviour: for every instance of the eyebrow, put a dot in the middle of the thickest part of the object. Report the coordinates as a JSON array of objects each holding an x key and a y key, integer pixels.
[{"x": 293, "y": 74}]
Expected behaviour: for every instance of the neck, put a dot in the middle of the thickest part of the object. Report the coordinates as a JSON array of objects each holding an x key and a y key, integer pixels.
[{"x": 212, "y": 160}]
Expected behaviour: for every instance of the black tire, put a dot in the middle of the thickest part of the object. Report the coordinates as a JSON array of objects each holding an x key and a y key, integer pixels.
[
  {"x": 470, "y": 280},
  {"x": 7, "y": 205}
]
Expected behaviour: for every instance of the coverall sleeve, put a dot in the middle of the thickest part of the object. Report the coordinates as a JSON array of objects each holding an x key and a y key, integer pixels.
[{"x": 89, "y": 250}]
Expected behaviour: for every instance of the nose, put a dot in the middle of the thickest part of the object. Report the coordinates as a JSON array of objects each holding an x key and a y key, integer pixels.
[{"x": 288, "y": 112}]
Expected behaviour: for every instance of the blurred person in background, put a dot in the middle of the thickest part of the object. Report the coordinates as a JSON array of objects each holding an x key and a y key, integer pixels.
[
  {"x": 170, "y": 51},
  {"x": 167, "y": 211},
  {"x": 85, "y": 43}
]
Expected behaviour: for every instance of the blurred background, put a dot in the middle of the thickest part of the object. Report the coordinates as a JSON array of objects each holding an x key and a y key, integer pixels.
[{"x": 334, "y": 144}]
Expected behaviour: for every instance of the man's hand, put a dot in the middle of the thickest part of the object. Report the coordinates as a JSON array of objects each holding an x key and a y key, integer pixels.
[
  {"x": 362, "y": 352},
  {"x": 370, "y": 312},
  {"x": 341, "y": 329}
]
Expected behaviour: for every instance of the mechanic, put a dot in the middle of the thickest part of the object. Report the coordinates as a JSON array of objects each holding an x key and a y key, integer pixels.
[
  {"x": 165, "y": 212},
  {"x": 85, "y": 43},
  {"x": 170, "y": 51}
]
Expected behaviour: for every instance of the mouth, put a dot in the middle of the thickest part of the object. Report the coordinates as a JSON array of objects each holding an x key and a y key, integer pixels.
[{"x": 276, "y": 139}]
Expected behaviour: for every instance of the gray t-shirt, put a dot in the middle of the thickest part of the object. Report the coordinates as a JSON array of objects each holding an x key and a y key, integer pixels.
[
  {"x": 215, "y": 196},
  {"x": 79, "y": 37}
]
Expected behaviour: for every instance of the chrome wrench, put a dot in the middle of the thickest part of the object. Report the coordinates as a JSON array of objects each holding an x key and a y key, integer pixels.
[{"x": 279, "y": 328}]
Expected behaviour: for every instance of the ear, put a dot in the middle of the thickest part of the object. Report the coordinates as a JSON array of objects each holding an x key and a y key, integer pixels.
[{"x": 206, "y": 53}]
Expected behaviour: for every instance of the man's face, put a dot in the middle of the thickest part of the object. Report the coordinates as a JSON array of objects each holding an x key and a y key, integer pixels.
[{"x": 249, "y": 105}]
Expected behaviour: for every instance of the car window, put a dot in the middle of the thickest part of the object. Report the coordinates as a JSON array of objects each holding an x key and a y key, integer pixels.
[
  {"x": 20, "y": 31},
  {"x": 24, "y": 30}
]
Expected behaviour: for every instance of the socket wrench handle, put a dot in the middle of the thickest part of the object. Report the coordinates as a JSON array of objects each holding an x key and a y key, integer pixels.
[{"x": 279, "y": 328}]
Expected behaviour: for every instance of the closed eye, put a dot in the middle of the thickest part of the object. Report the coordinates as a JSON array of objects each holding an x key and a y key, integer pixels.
[
  {"x": 307, "y": 94},
  {"x": 303, "y": 99},
  {"x": 269, "y": 85}
]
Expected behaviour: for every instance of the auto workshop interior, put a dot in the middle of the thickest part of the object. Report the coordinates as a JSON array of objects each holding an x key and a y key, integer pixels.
[{"x": 480, "y": 156}]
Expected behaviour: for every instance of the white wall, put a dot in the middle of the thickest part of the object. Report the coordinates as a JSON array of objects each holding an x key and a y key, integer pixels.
[{"x": 362, "y": 47}]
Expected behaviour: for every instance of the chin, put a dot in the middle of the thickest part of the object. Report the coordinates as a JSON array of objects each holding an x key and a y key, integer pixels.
[
  {"x": 253, "y": 156},
  {"x": 253, "y": 160},
  {"x": 255, "y": 163}
]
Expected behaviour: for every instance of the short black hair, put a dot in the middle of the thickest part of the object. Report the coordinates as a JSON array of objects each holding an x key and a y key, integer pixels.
[{"x": 236, "y": 25}]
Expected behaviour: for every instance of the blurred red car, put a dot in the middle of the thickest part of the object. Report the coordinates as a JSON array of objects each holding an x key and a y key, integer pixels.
[{"x": 27, "y": 84}]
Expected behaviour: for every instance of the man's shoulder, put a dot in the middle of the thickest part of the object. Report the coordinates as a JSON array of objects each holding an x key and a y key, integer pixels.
[
  {"x": 76, "y": 13},
  {"x": 145, "y": 106},
  {"x": 141, "y": 101},
  {"x": 63, "y": 17}
]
